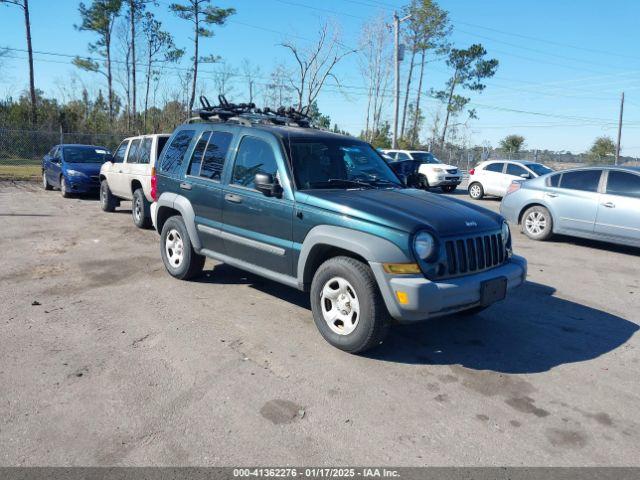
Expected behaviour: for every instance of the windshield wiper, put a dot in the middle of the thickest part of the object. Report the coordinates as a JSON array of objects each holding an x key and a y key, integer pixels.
[{"x": 344, "y": 181}]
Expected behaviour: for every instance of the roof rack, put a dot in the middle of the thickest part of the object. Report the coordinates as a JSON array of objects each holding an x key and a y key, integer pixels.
[{"x": 247, "y": 114}]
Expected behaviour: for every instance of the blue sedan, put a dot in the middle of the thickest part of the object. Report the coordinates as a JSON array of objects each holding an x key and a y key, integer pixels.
[
  {"x": 74, "y": 168},
  {"x": 600, "y": 203}
]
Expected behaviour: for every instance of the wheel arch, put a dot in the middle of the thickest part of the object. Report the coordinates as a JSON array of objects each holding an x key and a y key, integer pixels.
[
  {"x": 135, "y": 185},
  {"x": 534, "y": 204},
  {"x": 324, "y": 242},
  {"x": 171, "y": 204}
]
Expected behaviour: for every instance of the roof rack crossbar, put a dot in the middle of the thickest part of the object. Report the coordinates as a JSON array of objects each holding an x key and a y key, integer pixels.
[{"x": 247, "y": 114}]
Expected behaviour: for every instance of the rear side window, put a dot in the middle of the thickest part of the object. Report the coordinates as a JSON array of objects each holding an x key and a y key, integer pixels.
[
  {"x": 144, "y": 153},
  {"x": 134, "y": 151},
  {"x": 516, "y": 170},
  {"x": 198, "y": 152},
  {"x": 553, "y": 180},
  {"x": 175, "y": 152},
  {"x": 624, "y": 184},
  {"x": 254, "y": 156},
  {"x": 162, "y": 141},
  {"x": 585, "y": 180},
  {"x": 494, "y": 167},
  {"x": 214, "y": 155},
  {"x": 118, "y": 157}
]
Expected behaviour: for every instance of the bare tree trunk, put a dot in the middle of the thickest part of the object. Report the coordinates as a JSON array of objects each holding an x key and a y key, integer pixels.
[
  {"x": 109, "y": 78},
  {"x": 414, "y": 128},
  {"x": 132, "y": 8},
  {"x": 32, "y": 86},
  {"x": 195, "y": 60},
  {"x": 406, "y": 93},
  {"x": 446, "y": 119},
  {"x": 146, "y": 94}
]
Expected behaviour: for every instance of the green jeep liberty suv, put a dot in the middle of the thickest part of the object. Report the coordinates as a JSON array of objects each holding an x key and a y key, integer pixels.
[{"x": 324, "y": 213}]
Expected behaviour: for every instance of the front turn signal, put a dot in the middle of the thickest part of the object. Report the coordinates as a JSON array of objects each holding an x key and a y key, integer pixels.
[{"x": 401, "y": 268}]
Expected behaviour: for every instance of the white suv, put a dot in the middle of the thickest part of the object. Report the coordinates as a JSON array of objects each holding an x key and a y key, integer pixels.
[
  {"x": 128, "y": 176},
  {"x": 435, "y": 173},
  {"x": 493, "y": 177}
]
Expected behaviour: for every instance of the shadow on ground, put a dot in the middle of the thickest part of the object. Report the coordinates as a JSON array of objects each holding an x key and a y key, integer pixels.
[{"x": 531, "y": 331}]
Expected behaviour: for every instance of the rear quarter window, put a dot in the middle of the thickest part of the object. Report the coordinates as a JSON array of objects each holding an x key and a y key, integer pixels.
[
  {"x": 174, "y": 154},
  {"x": 494, "y": 167}
]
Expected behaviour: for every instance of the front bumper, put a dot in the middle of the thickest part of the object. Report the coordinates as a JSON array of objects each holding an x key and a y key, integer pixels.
[
  {"x": 75, "y": 185},
  {"x": 444, "y": 180},
  {"x": 427, "y": 299}
]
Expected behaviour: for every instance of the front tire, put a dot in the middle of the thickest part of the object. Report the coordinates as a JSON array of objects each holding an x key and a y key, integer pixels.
[
  {"x": 140, "y": 210},
  {"x": 476, "y": 191},
  {"x": 347, "y": 306},
  {"x": 178, "y": 255},
  {"x": 63, "y": 187},
  {"x": 448, "y": 188},
  {"x": 107, "y": 201},
  {"x": 45, "y": 182},
  {"x": 537, "y": 223}
]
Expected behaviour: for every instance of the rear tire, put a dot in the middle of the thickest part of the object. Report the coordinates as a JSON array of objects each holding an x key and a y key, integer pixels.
[
  {"x": 537, "y": 223},
  {"x": 347, "y": 306},
  {"x": 476, "y": 191},
  {"x": 107, "y": 201},
  {"x": 140, "y": 210},
  {"x": 178, "y": 255},
  {"x": 448, "y": 188}
]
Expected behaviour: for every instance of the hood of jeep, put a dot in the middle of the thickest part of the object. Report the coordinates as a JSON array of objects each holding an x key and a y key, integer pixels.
[{"x": 406, "y": 209}]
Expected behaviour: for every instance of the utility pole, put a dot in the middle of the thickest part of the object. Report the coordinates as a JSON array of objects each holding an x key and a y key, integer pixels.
[
  {"x": 396, "y": 94},
  {"x": 619, "y": 128}
]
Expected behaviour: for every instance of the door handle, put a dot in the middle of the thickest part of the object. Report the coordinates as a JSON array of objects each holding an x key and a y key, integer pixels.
[
  {"x": 119, "y": 171},
  {"x": 230, "y": 197},
  {"x": 185, "y": 186},
  {"x": 609, "y": 205},
  {"x": 551, "y": 195}
]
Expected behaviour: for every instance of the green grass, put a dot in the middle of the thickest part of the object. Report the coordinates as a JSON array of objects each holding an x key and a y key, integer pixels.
[{"x": 20, "y": 172}]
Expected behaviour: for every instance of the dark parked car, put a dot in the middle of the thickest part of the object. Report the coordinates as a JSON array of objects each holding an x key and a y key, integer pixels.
[
  {"x": 74, "y": 168},
  {"x": 324, "y": 213}
]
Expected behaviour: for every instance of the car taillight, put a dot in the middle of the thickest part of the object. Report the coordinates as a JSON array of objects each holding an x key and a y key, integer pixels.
[
  {"x": 154, "y": 185},
  {"x": 515, "y": 186},
  {"x": 472, "y": 171}
]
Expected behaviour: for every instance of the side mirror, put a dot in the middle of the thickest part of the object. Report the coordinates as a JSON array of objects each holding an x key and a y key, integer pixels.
[
  {"x": 267, "y": 185},
  {"x": 525, "y": 175}
]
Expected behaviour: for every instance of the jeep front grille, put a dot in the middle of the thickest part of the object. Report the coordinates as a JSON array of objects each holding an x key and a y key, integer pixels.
[
  {"x": 473, "y": 254},
  {"x": 452, "y": 170}
]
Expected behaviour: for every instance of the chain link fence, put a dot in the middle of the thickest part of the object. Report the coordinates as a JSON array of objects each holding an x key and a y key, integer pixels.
[{"x": 21, "y": 151}]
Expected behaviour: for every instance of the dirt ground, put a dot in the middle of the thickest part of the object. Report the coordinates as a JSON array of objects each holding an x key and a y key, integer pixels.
[{"x": 107, "y": 360}]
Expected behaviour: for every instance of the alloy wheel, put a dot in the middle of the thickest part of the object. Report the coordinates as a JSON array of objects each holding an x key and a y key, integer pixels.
[
  {"x": 340, "y": 306},
  {"x": 535, "y": 223},
  {"x": 475, "y": 191},
  {"x": 174, "y": 248}
]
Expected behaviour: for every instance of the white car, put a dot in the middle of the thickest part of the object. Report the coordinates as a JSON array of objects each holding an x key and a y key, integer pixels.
[
  {"x": 128, "y": 176},
  {"x": 493, "y": 177},
  {"x": 434, "y": 172}
]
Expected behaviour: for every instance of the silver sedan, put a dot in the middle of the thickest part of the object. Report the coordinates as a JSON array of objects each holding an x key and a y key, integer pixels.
[{"x": 600, "y": 203}]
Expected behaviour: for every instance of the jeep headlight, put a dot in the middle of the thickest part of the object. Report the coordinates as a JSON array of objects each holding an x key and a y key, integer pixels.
[
  {"x": 424, "y": 245},
  {"x": 438, "y": 169},
  {"x": 505, "y": 233},
  {"x": 75, "y": 173}
]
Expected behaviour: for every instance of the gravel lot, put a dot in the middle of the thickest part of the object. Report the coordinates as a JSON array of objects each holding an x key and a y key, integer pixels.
[{"x": 106, "y": 360}]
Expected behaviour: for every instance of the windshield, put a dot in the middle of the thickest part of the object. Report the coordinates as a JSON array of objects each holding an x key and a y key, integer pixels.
[
  {"x": 338, "y": 163},
  {"x": 539, "y": 169},
  {"x": 82, "y": 154},
  {"x": 425, "y": 157}
]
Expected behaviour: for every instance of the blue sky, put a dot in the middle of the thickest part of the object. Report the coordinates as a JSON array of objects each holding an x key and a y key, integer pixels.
[{"x": 562, "y": 66}]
